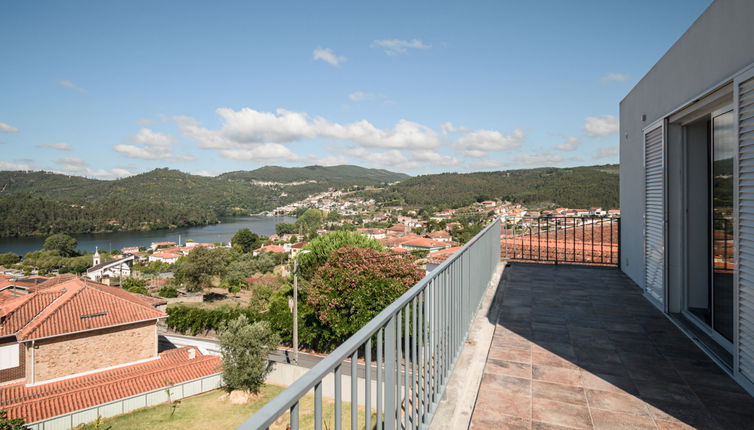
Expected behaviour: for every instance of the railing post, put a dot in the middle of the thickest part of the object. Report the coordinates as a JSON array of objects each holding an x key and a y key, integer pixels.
[
  {"x": 617, "y": 242},
  {"x": 390, "y": 379}
]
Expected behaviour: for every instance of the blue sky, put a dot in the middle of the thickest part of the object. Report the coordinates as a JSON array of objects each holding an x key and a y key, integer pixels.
[{"x": 109, "y": 89}]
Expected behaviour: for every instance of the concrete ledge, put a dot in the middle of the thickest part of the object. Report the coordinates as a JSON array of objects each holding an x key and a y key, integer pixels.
[{"x": 454, "y": 411}]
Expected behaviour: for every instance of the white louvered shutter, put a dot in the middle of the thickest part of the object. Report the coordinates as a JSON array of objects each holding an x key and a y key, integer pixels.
[
  {"x": 743, "y": 100},
  {"x": 654, "y": 214}
]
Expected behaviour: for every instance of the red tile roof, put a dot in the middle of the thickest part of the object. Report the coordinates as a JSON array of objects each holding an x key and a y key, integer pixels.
[
  {"x": 56, "y": 398},
  {"x": 72, "y": 305},
  {"x": 425, "y": 243}
]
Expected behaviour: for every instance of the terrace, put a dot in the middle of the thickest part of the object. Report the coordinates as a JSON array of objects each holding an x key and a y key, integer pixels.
[{"x": 567, "y": 346}]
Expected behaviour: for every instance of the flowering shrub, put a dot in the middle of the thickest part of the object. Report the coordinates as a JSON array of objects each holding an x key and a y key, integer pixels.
[{"x": 355, "y": 284}]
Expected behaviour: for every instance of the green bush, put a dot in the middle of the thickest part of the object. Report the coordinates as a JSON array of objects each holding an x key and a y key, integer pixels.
[
  {"x": 245, "y": 347},
  {"x": 193, "y": 320},
  {"x": 138, "y": 290},
  {"x": 168, "y": 292}
]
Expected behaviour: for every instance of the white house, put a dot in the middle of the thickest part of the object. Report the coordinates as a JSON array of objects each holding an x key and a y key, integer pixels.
[
  {"x": 165, "y": 257},
  {"x": 686, "y": 185}
]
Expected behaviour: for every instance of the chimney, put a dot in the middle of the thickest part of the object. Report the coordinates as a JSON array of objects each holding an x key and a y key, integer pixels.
[{"x": 191, "y": 354}]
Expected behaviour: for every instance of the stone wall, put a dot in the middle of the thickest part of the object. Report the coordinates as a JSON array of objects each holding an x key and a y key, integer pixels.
[{"x": 67, "y": 355}]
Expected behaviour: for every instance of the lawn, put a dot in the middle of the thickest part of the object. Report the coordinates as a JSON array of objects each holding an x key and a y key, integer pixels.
[{"x": 205, "y": 411}]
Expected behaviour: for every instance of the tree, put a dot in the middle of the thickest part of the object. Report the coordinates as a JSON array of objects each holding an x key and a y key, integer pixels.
[
  {"x": 9, "y": 258},
  {"x": 322, "y": 246},
  {"x": 245, "y": 348},
  {"x": 310, "y": 221},
  {"x": 11, "y": 424},
  {"x": 248, "y": 265},
  {"x": 197, "y": 270},
  {"x": 355, "y": 284},
  {"x": 62, "y": 243},
  {"x": 245, "y": 240},
  {"x": 282, "y": 228}
]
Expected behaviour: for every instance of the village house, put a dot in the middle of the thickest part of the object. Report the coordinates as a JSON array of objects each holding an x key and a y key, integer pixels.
[
  {"x": 74, "y": 343},
  {"x": 424, "y": 244},
  {"x": 275, "y": 249},
  {"x": 165, "y": 257},
  {"x": 440, "y": 236},
  {"x": 398, "y": 229},
  {"x": 104, "y": 271}
]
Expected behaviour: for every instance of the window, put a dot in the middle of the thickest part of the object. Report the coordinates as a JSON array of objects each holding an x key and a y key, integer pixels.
[{"x": 9, "y": 356}]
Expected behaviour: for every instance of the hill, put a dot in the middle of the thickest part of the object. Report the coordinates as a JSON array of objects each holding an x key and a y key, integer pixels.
[
  {"x": 335, "y": 175},
  {"x": 50, "y": 202},
  {"x": 575, "y": 187}
]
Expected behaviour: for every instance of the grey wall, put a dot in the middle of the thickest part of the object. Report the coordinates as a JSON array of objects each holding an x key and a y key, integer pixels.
[{"x": 717, "y": 45}]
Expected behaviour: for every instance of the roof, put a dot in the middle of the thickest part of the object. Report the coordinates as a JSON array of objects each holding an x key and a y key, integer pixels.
[
  {"x": 423, "y": 242},
  {"x": 442, "y": 234},
  {"x": 272, "y": 248},
  {"x": 299, "y": 245},
  {"x": 397, "y": 227},
  {"x": 73, "y": 305},
  {"x": 56, "y": 398},
  {"x": 110, "y": 263},
  {"x": 166, "y": 255}
]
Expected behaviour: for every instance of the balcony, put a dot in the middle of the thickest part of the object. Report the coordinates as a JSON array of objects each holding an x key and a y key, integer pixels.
[
  {"x": 561, "y": 346},
  {"x": 579, "y": 347}
]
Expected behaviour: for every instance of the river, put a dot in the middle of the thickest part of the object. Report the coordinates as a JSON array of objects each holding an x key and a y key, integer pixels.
[{"x": 262, "y": 225}]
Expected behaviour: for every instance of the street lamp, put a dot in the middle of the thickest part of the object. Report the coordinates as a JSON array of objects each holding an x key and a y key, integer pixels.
[{"x": 295, "y": 304}]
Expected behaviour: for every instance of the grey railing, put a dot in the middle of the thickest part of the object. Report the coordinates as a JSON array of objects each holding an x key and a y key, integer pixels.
[{"x": 409, "y": 349}]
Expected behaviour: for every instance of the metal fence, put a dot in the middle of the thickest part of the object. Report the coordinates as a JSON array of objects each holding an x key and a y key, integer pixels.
[
  {"x": 589, "y": 240},
  {"x": 413, "y": 344}
]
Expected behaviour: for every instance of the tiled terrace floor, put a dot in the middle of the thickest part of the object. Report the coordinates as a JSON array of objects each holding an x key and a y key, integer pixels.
[{"x": 579, "y": 347}]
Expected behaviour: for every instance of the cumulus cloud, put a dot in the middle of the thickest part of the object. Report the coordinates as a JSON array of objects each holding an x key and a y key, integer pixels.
[
  {"x": 250, "y": 127},
  {"x": 478, "y": 143},
  {"x": 60, "y": 146},
  {"x": 328, "y": 56},
  {"x": 7, "y": 128},
  {"x": 570, "y": 143},
  {"x": 614, "y": 77},
  {"x": 397, "y": 46},
  {"x": 78, "y": 166},
  {"x": 150, "y": 145},
  {"x": 601, "y": 126},
  {"x": 7, "y": 165},
  {"x": 606, "y": 152},
  {"x": 71, "y": 85},
  {"x": 540, "y": 159}
]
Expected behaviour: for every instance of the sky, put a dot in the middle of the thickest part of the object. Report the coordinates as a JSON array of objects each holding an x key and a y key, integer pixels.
[{"x": 111, "y": 89}]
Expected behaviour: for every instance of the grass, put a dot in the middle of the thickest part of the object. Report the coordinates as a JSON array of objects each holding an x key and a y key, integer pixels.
[{"x": 206, "y": 411}]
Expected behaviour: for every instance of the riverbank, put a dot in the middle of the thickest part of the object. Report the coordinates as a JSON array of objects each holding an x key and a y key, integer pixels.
[{"x": 211, "y": 233}]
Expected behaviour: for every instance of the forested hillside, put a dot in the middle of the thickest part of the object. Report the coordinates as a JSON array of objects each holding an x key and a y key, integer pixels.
[
  {"x": 34, "y": 203},
  {"x": 575, "y": 187}
]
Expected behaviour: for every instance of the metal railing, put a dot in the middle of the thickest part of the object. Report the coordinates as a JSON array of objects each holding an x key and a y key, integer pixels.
[
  {"x": 589, "y": 240},
  {"x": 409, "y": 349}
]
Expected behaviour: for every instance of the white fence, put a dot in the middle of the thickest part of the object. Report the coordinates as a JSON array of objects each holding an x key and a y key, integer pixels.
[{"x": 128, "y": 404}]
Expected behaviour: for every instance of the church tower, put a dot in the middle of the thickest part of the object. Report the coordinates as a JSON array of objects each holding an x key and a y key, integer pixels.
[{"x": 96, "y": 259}]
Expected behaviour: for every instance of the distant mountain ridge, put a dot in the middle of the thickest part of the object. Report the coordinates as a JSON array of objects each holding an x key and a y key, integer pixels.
[
  {"x": 572, "y": 187},
  {"x": 345, "y": 174}
]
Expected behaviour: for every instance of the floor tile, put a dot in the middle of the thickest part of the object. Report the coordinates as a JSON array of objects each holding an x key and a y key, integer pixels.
[
  {"x": 559, "y": 375},
  {"x": 610, "y": 420},
  {"x": 559, "y": 413}
]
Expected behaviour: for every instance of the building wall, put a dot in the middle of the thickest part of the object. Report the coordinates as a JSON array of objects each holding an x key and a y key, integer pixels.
[
  {"x": 719, "y": 44},
  {"x": 18, "y": 372},
  {"x": 67, "y": 355}
]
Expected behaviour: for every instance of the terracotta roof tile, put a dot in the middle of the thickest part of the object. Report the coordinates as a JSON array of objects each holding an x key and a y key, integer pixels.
[
  {"x": 73, "y": 305},
  {"x": 56, "y": 398}
]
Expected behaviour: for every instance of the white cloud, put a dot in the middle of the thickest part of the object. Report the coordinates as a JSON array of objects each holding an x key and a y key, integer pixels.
[
  {"x": 330, "y": 160},
  {"x": 614, "y": 77},
  {"x": 71, "y": 85},
  {"x": 150, "y": 145},
  {"x": 60, "y": 146},
  {"x": 486, "y": 165},
  {"x": 77, "y": 166},
  {"x": 263, "y": 153},
  {"x": 203, "y": 173},
  {"x": 359, "y": 96},
  {"x": 540, "y": 159},
  {"x": 606, "y": 152},
  {"x": 397, "y": 46},
  {"x": 7, "y": 128},
  {"x": 601, "y": 126},
  {"x": 478, "y": 143},
  {"x": 251, "y": 127},
  {"x": 328, "y": 56},
  {"x": 7, "y": 165},
  {"x": 570, "y": 143}
]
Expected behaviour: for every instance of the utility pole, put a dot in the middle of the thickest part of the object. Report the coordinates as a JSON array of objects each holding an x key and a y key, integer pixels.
[{"x": 295, "y": 304}]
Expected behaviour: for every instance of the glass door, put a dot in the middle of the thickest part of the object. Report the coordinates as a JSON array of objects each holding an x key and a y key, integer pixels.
[{"x": 721, "y": 228}]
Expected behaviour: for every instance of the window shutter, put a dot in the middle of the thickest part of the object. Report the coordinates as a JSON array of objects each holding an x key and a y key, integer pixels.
[
  {"x": 743, "y": 100},
  {"x": 654, "y": 214}
]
